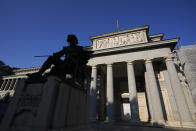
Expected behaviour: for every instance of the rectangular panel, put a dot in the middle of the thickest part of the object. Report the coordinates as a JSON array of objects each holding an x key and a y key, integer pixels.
[{"x": 120, "y": 40}]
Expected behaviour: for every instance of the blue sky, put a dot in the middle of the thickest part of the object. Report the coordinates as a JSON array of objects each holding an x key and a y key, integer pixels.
[{"x": 39, "y": 27}]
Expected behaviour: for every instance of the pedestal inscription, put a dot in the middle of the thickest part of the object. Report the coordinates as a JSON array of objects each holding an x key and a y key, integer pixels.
[{"x": 27, "y": 106}]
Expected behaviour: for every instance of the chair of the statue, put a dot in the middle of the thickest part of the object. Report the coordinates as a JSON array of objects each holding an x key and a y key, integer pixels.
[{"x": 80, "y": 67}]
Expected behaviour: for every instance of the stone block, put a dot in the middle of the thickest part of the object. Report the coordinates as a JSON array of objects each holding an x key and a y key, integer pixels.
[
  {"x": 62, "y": 106},
  {"x": 55, "y": 104}
]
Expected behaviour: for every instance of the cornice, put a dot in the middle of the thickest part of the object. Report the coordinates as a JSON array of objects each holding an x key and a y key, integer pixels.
[
  {"x": 89, "y": 48},
  {"x": 14, "y": 76},
  {"x": 156, "y": 35},
  {"x": 168, "y": 42},
  {"x": 26, "y": 69}
]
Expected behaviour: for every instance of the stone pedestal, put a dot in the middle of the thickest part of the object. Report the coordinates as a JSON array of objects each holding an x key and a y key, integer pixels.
[{"x": 55, "y": 104}]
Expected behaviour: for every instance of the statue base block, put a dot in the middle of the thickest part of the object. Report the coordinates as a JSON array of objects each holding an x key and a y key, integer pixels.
[{"x": 55, "y": 104}]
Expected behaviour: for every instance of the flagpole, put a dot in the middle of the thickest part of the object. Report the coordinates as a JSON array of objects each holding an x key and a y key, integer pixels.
[{"x": 117, "y": 25}]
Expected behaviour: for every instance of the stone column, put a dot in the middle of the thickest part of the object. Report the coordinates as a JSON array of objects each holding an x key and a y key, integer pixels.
[
  {"x": 2, "y": 86},
  {"x": 110, "y": 94},
  {"x": 11, "y": 83},
  {"x": 154, "y": 92},
  {"x": 93, "y": 93},
  {"x": 132, "y": 93},
  {"x": 148, "y": 97},
  {"x": 183, "y": 109},
  {"x": 7, "y": 84},
  {"x": 16, "y": 82},
  {"x": 176, "y": 116}
]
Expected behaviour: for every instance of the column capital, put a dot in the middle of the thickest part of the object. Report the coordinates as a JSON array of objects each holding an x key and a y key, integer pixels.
[
  {"x": 168, "y": 59},
  {"x": 94, "y": 66},
  {"x": 130, "y": 62},
  {"x": 109, "y": 64},
  {"x": 148, "y": 60}
]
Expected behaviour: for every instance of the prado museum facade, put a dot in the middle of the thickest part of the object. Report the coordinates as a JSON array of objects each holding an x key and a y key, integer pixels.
[{"x": 135, "y": 78}]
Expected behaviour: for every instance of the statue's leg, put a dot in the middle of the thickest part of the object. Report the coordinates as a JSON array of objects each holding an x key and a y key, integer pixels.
[
  {"x": 58, "y": 69},
  {"x": 44, "y": 67}
]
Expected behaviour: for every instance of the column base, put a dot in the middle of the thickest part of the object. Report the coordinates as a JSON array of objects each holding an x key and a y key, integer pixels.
[
  {"x": 188, "y": 125},
  {"x": 181, "y": 124},
  {"x": 173, "y": 124},
  {"x": 135, "y": 122},
  {"x": 109, "y": 120},
  {"x": 159, "y": 123},
  {"x": 92, "y": 120}
]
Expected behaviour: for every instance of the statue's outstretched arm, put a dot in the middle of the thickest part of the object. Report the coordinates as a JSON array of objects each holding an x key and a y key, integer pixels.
[{"x": 60, "y": 53}]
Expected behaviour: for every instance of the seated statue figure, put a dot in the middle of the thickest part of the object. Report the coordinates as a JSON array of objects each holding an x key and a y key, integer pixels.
[{"x": 74, "y": 62}]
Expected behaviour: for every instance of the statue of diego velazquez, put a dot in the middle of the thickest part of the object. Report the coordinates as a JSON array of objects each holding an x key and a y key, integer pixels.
[{"x": 74, "y": 62}]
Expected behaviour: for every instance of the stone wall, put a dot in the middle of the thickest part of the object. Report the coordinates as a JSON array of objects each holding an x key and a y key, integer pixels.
[{"x": 187, "y": 57}]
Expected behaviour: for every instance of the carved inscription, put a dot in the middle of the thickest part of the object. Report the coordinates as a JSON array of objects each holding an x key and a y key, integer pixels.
[
  {"x": 120, "y": 40},
  {"x": 32, "y": 101}
]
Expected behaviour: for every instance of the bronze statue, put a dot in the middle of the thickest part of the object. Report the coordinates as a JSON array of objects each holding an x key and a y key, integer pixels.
[{"x": 74, "y": 62}]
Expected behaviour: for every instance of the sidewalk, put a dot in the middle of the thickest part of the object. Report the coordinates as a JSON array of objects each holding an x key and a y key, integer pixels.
[
  {"x": 123, "y": 127},
  {"x": 101, "y": 126}
]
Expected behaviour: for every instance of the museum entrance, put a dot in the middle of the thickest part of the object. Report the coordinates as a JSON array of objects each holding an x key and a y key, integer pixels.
[{"x": 122, "y": 111}]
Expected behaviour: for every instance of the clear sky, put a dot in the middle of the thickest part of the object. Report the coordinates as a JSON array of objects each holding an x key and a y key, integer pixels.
[{"x": 39, "y": 27}]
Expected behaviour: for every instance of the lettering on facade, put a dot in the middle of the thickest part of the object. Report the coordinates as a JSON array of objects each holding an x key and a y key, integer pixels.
[{"x": 120, "y": 40}]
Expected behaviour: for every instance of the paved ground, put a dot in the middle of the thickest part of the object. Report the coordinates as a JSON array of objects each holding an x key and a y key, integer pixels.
[
  {"x": 123, "y": 127},
  {"x": 108, "y": 127}
]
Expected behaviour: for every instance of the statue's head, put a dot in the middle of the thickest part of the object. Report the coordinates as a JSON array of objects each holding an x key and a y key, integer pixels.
[{"x": 72, "y": 39}]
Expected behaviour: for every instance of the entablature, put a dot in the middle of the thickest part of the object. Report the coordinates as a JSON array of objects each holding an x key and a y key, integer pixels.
[{"x": 141, "y": 46}]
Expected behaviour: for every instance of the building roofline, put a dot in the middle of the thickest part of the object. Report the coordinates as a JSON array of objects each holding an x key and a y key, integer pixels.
[
  {"x": 26, "y": 69},
  {"x": 188, "y": 46},
  {"x": 157, "y": 35},
  {"x": 146, "y": 27}
]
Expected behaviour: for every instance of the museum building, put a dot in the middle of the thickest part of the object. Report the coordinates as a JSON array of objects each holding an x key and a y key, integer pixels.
[{"x": 135, "y": 78}]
